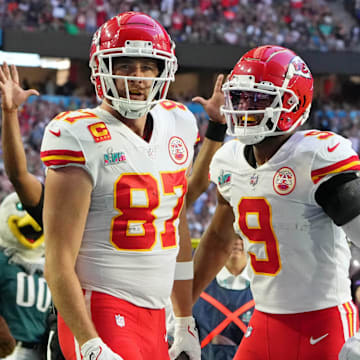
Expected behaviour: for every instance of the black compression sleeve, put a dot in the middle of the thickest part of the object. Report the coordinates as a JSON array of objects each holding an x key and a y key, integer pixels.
[
  {"x": 340, "y": 197},
  {"x": 37, "y": 211}
]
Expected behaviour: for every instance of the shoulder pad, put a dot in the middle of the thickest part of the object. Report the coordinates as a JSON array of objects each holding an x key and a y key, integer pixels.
[
  {"x": 333, "y": 154},
  {"x": 72, "y": 117}
]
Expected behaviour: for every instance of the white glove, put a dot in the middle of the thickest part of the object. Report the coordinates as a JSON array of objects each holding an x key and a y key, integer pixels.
[
  {"x": 351, "y": 349},
  {"x": 96, "y": 349},
  {"x": 186, "y": 339}
]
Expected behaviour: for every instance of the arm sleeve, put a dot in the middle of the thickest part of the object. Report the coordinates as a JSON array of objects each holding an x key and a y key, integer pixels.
[
  {"x": 37, "y": 211},
  {"x": 66, "y": 148},
  {"x": 340, "y": 197},
  {"x": 220, "y": 172},
  {"x": 334, "y": 156}
]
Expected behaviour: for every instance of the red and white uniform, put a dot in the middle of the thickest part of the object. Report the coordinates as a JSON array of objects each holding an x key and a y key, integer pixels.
[
  {"x": 299, "y": 258},
  {"x": 130, "y": 241}
]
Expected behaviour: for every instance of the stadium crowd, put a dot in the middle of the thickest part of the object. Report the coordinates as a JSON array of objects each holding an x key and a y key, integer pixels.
[
  {"x": 301, "y": 24},
  {"x": 295, "y": 23}
]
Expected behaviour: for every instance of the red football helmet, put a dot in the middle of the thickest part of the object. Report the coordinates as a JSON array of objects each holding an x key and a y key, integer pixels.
[
  {"x": 268, "y": 93},
  {"x": 131, "y": 34}
]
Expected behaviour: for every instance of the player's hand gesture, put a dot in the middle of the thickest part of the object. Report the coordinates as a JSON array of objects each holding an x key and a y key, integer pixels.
[
  {"x": 213, "y": 104},
  {"x": 351, "y": 349},
  {"x": 11, "y": 92}
]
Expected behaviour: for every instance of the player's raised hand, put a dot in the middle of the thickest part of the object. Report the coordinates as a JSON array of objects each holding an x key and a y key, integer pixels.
[
  {"x": 96, "y": 349},
  {"x": 213, "y": 104},
  {"x": 351, "y": 349},
  {"x": 12, "y": 94}
]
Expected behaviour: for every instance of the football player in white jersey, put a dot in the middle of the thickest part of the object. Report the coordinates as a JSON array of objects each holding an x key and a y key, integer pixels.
[
  {"x": 30, "y": 189},
  {"x": 114, "y": 218},
  {"x": 293, "y": 196}
]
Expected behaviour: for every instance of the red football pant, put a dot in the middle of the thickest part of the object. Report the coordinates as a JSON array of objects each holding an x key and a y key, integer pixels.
[
  {"x": 304, "y": 336},
  {"x": 132, "y": 332}
]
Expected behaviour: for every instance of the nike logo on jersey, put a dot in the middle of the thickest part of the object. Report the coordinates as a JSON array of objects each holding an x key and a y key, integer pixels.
[
  {"x": 315, "y": 341},
  {"x": 56, "y": 133},
  {"x": 332, "y": 148}
]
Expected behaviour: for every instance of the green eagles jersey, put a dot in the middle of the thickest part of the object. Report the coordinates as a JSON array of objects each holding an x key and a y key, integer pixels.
[{"x": 24, "y": 301}]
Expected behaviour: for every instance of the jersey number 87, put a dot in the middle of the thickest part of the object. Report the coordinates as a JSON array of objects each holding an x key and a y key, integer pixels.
[{"x": 134, "y": 229}]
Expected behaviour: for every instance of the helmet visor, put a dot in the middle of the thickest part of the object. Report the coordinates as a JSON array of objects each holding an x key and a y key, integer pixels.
[
  {"x": 248, "y": 106},
  {"x": 250, "y": 100}
]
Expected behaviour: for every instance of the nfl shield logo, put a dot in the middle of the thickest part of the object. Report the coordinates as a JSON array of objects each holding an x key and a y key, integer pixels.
[
  {"x": 120, "y": 321},
  {"x": 254, "y": 180}
]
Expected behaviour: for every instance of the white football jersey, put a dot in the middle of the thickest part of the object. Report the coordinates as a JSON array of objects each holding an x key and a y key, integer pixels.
[
  {"x": 130, "y": 242},
  {"x": 299, "y": 258}
]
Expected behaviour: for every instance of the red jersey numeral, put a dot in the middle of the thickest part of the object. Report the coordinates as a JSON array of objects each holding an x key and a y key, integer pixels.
[
  {"x": 321, "y": 135},
  {"x": 80, "y": 114},
  {"x": 136, "y": 198},
  {"x": 260, "y": 231},
  {"x": 170, "y": 182}
]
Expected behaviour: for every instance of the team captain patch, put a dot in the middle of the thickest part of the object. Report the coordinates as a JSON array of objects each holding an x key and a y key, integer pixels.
[
  {"x": 178, "y": 150},
  {"x": 284, "y": 181},
  {"x": 99, "y": 131}
]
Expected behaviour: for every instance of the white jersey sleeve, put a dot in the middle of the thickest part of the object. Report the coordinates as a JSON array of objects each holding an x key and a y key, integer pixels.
[
  {"x": 334, "y": 155},
  {"x": 64, "y": 137},
  {"x": 220, "y": 168}
]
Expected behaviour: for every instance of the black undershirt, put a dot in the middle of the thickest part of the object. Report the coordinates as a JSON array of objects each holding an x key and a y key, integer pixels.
[{"x": 149, "y": 126}]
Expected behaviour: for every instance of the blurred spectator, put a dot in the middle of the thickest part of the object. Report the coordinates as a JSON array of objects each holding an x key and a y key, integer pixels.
[
  {"x": 301, "y": 24},
  {"x": 224, "y": 309},
  {"x": 167, "y": 6}
]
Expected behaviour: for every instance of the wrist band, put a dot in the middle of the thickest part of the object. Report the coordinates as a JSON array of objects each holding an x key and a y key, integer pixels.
[
  {"x": 185, "y": 321},
  {"x": 216, "y": 131},
  {"x": 184, "y": 270}
]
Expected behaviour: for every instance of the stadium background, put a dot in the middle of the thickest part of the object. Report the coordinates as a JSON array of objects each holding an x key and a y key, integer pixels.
[{"x": 49, "y": 41}]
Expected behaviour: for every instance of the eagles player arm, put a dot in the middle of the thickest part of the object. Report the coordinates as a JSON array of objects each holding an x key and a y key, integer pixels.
[
  {"x": 340, "y": 199},
  {"x": 27, "y": 186},
  {"x": 214, "y": 248},
  {"x": 67, "y": 201},
  {"x": 214, "y": 137}
]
